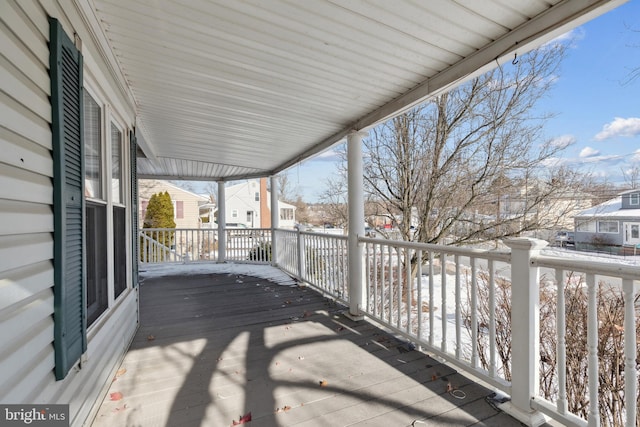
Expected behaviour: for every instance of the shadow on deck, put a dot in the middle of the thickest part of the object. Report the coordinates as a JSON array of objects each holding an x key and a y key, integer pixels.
[{"x": 214, "y": 347}]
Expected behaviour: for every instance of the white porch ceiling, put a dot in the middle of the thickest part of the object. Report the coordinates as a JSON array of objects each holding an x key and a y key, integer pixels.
[{"x": 229, "y": 89}]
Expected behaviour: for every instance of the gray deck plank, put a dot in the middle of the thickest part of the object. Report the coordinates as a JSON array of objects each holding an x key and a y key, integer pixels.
[{"x": 225, "y": 344}]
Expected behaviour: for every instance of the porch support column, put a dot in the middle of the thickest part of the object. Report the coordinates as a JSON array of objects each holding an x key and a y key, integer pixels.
[
  {"x": 525, "y": 330},
  {"x": 275, "y": 218},
  {"x": 356, "y": 223},
  {"x": 222, "y": 223}
]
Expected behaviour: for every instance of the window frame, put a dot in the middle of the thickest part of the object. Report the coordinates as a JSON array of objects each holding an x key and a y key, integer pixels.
[
  {"x": 634, "y": 199},
  {"x": 111, "y": 119},
  {"x": 122, "y": 196},
  {"x": 603, "y": 221}
]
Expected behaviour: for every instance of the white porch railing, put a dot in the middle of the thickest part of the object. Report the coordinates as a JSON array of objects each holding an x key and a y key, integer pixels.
[
  {"x": 488, "y": 313},
  {"x": 201, "y": 244}
]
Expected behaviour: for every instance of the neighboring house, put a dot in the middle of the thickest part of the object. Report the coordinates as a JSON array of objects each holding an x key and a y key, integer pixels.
[
  {"x": 249, "y": 204},
  {"x": 186, "y": 205},
  {"x": 615, "y": 222},
  {"x": 68, "y": 160}
]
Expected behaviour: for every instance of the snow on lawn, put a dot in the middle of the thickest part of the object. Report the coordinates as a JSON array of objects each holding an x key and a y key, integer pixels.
[
  {"x": 449, "y": 313},
  {"x": 262, "y": 271},
  {"x": 589, "y": 256}
]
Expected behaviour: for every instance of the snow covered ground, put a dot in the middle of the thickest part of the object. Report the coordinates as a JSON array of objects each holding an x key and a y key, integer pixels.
[{"x": 257, "y": 270}]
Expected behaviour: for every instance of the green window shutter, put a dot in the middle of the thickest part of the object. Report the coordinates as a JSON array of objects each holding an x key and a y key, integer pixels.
[
  {"x": 70, "y": 330},
  {"x": 133, "y": 144}
]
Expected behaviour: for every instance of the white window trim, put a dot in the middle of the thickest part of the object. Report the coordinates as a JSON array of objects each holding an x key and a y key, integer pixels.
[
  {"x": 110, "y": 117},
  {"x": 634, "y": 199},
  {"x": 609, "y": 232}
]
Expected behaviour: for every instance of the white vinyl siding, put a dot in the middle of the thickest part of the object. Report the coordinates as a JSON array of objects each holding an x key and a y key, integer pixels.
[
  {"x": 26, "y": 208},
  {"x": 26, "y": 240}
]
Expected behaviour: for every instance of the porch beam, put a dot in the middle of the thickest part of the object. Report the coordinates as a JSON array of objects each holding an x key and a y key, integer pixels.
[
  {"x": 356, "y": 222},
  {"x": 222, "y": 223}
]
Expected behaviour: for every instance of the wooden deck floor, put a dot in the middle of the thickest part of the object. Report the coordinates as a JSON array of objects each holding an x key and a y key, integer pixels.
[{"x": 214, "y": 347}]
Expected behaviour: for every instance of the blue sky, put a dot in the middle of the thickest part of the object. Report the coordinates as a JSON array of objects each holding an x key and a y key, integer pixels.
[{"x": 597, "y": 111}]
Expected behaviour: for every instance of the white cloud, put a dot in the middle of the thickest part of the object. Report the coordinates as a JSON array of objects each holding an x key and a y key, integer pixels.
[
  {"x": 563, "y": 141},
  {"x": 569, "y": 38},
  {"x": 554, "y": 162},
  {"x": 589, "y": 152},
  {"x": 620, "y": 127},
  {"x": 330, "y": 155},
  {"x": 636, "y": 156}
]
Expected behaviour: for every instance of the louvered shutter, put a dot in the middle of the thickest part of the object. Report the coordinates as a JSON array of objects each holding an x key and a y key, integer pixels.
[
  {"x": 133, "y": 144},
  {"x": 70, "y": 338}
]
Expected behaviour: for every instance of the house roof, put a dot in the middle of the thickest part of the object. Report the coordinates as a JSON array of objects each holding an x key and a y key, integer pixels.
[
  {"x": 154, "y": 185},
  {"x": 610, "y": 208},
  {"x": 227, "y": 89}
]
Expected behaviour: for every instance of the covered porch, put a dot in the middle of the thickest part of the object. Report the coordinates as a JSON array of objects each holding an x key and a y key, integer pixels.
[
  {"x": 217, "y": 342},
  {"x": 520, "y": 320},
  {"x": 239, "y": 90}
]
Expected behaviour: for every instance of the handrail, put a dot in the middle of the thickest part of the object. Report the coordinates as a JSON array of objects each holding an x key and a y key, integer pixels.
[{"x": 459, "y": 304}]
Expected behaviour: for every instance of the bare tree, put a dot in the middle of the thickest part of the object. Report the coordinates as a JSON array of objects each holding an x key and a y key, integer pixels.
[
  {"x": 469, "y": 166},
  {"x": 632, "y": 177},
  {"x": 286, "y": 191},
  {"x": 334, "y": 199},
  {"x": 634, "y": 73},
  {"x": 212, "y": 191}
]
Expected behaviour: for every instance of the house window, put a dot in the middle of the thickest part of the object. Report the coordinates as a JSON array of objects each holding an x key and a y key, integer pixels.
[
  {"x": 95, "y": 212},
  {"x": 117, "y": 191},
  {"x": 178, "y": 209},
  {"x": 257, "y": 196},
  {"x": 104, "y": 285},
  {"x": 92, "y": 147},
  {"x": 634, "y": 199},
  {"x": 286, "y": 214},
  {"x": 586, "y": 226},
  {"x": 608, "y": 227},
  {"x": 234, "y": 213}
]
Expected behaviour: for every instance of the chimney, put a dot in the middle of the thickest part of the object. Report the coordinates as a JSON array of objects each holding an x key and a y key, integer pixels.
[{"x": 265, "y": 212}]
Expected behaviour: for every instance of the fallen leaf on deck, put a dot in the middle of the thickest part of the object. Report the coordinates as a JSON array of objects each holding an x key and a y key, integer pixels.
[
  {"x": 323, "y": 383},
  {"x": 115, "y": 396},
  {"x": 307, "y": 314},
  {"x": 120, "y": 408},
  {"x": 340, "y": 328},
  {"x": 243, "y": 419},
  {"x": 121, "y": 372},
  {"x": 150, "y": 338},
  {"x": 286, "y": 408}
]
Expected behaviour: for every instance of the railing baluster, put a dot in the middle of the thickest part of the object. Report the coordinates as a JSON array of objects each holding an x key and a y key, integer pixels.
[
  {"x": 443, "y": 306},
  {"x": 419, "y": 285},
  {"x": 474, "y": 314},
  {"x": 561, "y": 343},
  {"x": 409, "y": 288},
  {"x": 630, "y": 371},
  {"x": 458, "y": 313},
  {"x": 399, "y": 288},
  {"x": 492, "y": 321},
  {"x": 593, "y": 418},
  {"x": 431, "y": 300},
  {"x": 375, "y": 281}
]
